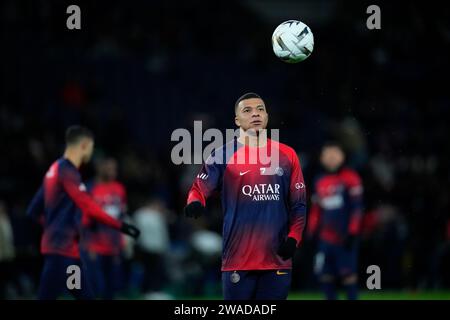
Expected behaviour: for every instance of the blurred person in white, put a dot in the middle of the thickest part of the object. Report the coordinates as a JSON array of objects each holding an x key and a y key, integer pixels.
[
  {"x": 205, "y": 262},
  {"x": 153, "y": 244},
  {"x": 6, "y": 250}
]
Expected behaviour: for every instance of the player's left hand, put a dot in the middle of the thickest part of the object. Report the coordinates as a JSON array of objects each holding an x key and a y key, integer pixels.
[
  {"x": 130, "y": 230},
  {"x": 287, "y": 248}
]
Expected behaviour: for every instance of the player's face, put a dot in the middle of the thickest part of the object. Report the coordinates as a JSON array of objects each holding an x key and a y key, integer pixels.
[
  {"x": 108, "y": 169},
  {"x": 251, "y": 114},
  {"x": 87, "y": 148},
  {"x": 332, "y": 158}
]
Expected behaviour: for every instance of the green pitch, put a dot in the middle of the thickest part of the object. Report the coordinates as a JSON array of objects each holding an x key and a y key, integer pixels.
[
  {"x": 364, "y": 295},
  {"x": 380, "y": 295}
]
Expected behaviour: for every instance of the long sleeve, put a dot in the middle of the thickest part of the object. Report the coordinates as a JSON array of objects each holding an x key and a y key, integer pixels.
[
  {"x": 355, "y": 190},
  {"x": 297, "y": 202},
  {"x": 84, "y": 201},
  {"x": 206, "y": 182},
  {"x": 314, "y": 217},
  {"x": 36, "y": 207}
]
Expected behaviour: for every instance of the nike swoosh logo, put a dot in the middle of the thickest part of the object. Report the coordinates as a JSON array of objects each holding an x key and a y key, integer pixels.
[
  {"x": 242, "y": 173},
  {"x": 279, "y": 273}
]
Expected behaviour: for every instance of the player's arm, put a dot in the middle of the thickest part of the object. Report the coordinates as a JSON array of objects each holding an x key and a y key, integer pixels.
[
  {"x": 297, "y": 201},
  {"x": 88, "y": 206},
  {"x": 124, "y": 199},
  {"x": 355, "y": 191},
  {"x": 36, "y": 207},
  {"x": 124, "y": 211},
  {"x": 86, "y": 220},
  {"x": 297, "y": 211},
  {"x": 205, "y": 183},
  {"x": 313, "y": 217}
]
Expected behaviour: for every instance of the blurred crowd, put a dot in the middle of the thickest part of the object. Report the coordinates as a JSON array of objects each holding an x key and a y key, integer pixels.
[{"x": 138, "y": 70}]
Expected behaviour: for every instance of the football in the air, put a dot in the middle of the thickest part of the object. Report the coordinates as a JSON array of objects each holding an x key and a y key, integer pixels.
[{"x": 292, "y": 41}]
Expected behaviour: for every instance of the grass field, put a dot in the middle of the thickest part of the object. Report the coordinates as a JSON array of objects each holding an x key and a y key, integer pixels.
[
  {"x": 388, "y": 295},
  {"x": 364, "y": 295}
]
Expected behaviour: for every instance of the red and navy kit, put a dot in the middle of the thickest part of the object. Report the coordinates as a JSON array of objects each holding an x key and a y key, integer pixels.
[
  {"x": 62, "y": 200},
  {"x": 336, "y": 208},
  {"x": 336, "y": 214},
  {"x": 59, "y": 205},
  {"x": 256, "y": 285},
  {"x": 104, "y": 266},
  {"x": 263, "y": 202},
  {"x": 100, "y": 238}
]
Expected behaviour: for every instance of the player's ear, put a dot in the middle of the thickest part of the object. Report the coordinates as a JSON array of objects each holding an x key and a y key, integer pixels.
[
  {"x": 82, "y": 143},
  {"x": 85, "y": 143},
  {"x": 237, "y": 122}
]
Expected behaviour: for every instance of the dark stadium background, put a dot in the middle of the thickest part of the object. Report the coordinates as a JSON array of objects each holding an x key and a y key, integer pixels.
[{"x": 137, "y": 70}]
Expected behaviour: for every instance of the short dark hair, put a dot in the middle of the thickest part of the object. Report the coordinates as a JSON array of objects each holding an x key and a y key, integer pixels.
[
  {"x": 75, "y": 133},
  {"x": 333, "y": 144},
  {"x": 248, "y": 95}
]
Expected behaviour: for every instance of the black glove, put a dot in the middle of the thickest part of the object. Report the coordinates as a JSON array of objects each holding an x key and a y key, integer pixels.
[
  {"x": 349, "y": 241},
  {"x": 130, "y": 230},
  {"x": 194, "y": 210},
  {"x": 287, "y": 248}
]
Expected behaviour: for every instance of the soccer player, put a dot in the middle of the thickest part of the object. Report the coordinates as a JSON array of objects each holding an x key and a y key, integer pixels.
[
  {"x": 58, "y": 205},
  {"x": 336, "y": 213},
  {"x": 264, "y": 212},
  {"x": 101, "y": 245}
]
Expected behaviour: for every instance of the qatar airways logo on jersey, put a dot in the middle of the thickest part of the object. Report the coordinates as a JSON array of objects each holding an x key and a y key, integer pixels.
[{"x": 262, "y": 191}]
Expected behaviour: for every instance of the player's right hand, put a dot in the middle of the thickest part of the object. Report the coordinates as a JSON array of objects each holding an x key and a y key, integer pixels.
[{"x": 194, "y": 210}]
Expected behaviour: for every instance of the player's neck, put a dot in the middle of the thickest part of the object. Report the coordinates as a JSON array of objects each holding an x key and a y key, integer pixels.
[
  {"x": 73, "y": 157},
  {"x": 253, "y": 140},
  {"x": 100, "y": 179}
]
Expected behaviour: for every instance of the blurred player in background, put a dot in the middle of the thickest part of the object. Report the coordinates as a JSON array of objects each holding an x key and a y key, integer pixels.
[
  {"x": 336, "y": 214},
  {"x": 7, "y": 250},
  {"x": 264, "y": 214},
  {"x": 102, "y": 245},
  {"x": 59, "y": 205}
]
